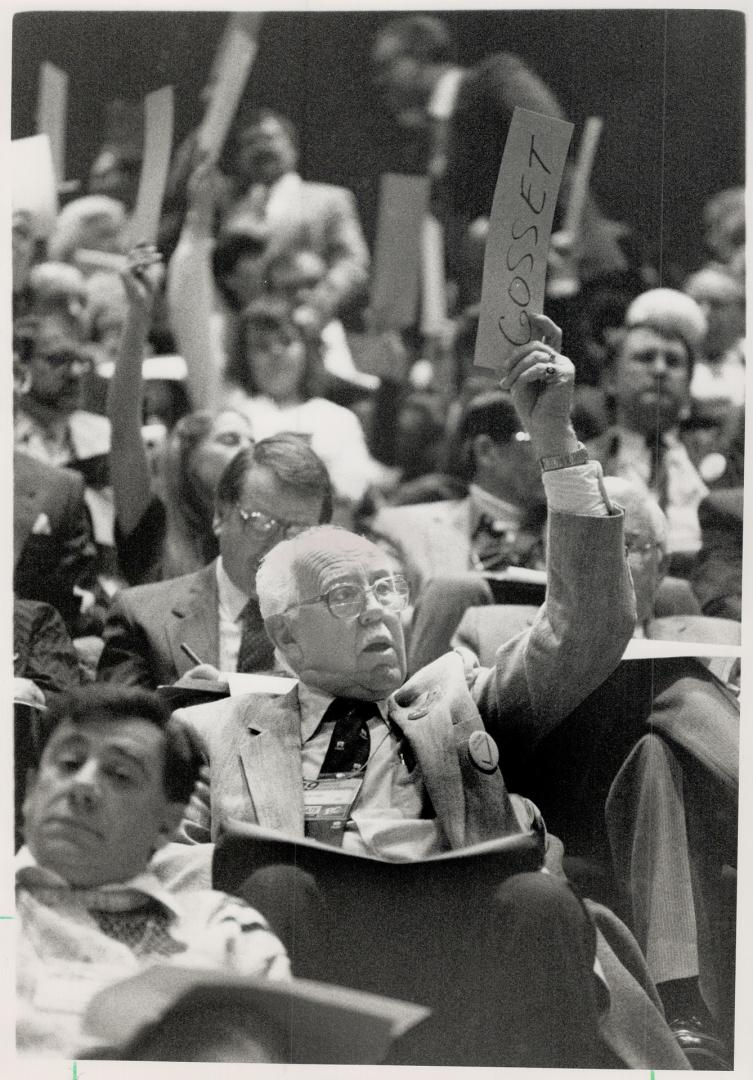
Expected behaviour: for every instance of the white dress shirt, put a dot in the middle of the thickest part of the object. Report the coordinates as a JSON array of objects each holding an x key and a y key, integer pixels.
[{"x": 388, "y": 818}]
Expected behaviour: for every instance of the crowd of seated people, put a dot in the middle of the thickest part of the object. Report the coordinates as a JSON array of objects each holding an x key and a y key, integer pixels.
[{"x": 449, "y": 578}]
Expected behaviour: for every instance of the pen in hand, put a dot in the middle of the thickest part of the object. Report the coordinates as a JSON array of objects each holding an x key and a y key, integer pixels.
[{"x": 190, "y": 653}]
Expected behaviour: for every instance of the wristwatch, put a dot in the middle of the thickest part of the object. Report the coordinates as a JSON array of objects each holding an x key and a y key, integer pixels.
[{"x": 564, "y": 461}]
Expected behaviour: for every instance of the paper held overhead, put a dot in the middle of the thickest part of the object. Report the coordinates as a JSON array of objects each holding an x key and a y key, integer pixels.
[
  {"x": 52, "y": 106},
  {"x": 238, "y": 50},
  {"x": 396, "y": 271},
  {"x": 158, "y": 142},
  {"x": 33, "y": 186},
  {"x": 520, "y": 226}
]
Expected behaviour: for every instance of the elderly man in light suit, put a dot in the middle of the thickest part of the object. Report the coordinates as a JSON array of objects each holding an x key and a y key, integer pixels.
[{"x": 428, "y": 781}]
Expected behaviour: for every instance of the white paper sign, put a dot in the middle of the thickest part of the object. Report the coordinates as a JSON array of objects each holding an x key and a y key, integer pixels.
[
  {"x": 433, "y": 281},
  {"x": 237, "y": 57},
  {"x": 52, "y": 105},
  {"x": 519, "y": 230},
  {"x": 396, "y": 271},
  {"x": 158, "y": 143},
  {"x": 33, "y": 186}
]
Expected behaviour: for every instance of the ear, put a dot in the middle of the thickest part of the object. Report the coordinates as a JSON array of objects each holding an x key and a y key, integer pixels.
[
  {"x": 171, "y": 819},
  {"x": 482, "y": 447},
  {"x": 281, "y": 632}
]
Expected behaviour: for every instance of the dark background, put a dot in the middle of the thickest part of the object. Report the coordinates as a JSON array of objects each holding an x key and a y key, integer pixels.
[{"x": 669, "y": 84}]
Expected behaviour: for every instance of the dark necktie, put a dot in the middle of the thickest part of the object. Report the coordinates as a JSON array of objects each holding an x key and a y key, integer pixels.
[
  {"x": 658, "y": 477},
  {"x": 256, "y": 652},
  {"x": 144, "y": 930},
  {"x": 350, "y": 743},
  {"x": 348, "y": 752}
]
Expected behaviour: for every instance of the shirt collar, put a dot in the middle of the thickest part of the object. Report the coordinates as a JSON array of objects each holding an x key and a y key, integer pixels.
[
  {"x": 313, "y": 705},
  {"x": 441, "y": 104},
  {"x": 30, "y": 875},
  {"x": 232, "y": 600}
]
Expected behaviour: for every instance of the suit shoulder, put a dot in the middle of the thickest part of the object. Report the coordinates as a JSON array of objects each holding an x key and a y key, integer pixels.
[
  {"x": 443, "y": 509},
  {"x": 215, "y": 717},
  {"x": 162, "y": 592},
  {"x": 27, "y": 467}
]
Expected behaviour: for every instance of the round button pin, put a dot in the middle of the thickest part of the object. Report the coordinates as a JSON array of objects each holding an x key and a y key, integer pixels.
[{"x": 483, "y": 751}]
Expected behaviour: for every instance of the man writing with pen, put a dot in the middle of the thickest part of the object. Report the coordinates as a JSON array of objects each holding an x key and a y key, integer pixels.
[{"x": 207, "y": 622}]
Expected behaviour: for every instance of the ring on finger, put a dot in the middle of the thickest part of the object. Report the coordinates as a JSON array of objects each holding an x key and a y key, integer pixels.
[{"x": 551, "y": 370}]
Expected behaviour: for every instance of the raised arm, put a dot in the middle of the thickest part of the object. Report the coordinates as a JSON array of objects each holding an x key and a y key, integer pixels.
[
  {"x": 581, "y": 631},
  {"x": 129, "y": 466},
  {"x": 191, "y": 292}
]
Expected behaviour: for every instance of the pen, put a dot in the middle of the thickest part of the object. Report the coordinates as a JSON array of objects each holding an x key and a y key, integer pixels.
[{"x": 190, "y": 653}]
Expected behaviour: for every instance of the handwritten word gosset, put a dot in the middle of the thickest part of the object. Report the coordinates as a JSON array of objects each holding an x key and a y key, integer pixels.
[
  {"x": 523, "y": 248},
  {"x": 520, "y": 225}
]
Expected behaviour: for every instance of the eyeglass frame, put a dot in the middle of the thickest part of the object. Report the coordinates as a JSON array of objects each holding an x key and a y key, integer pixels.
[
  {"x": 324, "y": 598},
  {"x": 65, "y": 358},
  {"x": 274, "y": 524}
]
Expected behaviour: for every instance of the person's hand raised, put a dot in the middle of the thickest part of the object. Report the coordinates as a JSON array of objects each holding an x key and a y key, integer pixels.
[
  {"x": 540, "y": 380},
  {"x": 142, "y": 278},
  {"x": 204, "y": 188}
]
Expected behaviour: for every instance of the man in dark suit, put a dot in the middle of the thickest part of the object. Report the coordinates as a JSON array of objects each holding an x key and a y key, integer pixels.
[
  {"x": 53, "y": 552},
  {"x": 273, "y": 489},
  {"x": 427, "y": 778},
  {"x": 466, "y": 113}
]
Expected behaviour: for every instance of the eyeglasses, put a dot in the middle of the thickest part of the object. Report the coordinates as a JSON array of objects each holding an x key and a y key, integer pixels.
[
  {"x": 263, "y": 525},
  {"x": 66, "y": 358},
  {"x": 348, "y": 601}
]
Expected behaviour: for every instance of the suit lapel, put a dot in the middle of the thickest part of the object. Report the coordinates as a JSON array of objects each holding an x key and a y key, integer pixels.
[
  {"x": 271, "y": 761},
  {"x": 28, "y": 503},
  {"x": 427, "y": 725},
  {"x": 195, "y": 621}
]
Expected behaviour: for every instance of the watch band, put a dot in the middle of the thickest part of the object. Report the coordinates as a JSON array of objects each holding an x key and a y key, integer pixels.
[{"x": 564, "y": 461}]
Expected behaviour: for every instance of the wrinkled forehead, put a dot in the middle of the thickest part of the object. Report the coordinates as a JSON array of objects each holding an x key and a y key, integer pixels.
[{"x": 316, "y": 569}]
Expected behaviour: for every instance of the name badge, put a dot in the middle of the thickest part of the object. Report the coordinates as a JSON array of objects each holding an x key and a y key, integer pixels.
[{"x": 327, "y": 805}]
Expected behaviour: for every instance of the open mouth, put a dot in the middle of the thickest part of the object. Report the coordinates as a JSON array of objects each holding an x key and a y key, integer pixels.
[{"x": 381, "y": 646}]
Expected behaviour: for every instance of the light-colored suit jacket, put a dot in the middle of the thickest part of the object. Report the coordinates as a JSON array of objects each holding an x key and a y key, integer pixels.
[
  {"x": 146, "y": 625},
  {"x": 253, "y": 743},
  {"x": 324, "y": 219}
]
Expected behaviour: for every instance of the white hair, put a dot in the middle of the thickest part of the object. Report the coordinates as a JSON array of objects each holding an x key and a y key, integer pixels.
[
  {"x": 278, "y": 577},
  {"x": 71, "y": 224}
]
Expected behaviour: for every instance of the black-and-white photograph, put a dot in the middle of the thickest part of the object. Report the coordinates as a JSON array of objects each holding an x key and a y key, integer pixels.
[{"x": 378, "y": 419}]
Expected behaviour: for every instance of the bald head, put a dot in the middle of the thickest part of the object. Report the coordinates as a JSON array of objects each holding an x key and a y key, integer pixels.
[
  {"x": 295, "y": 569},
  {"x": 331, "y": 605}
]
